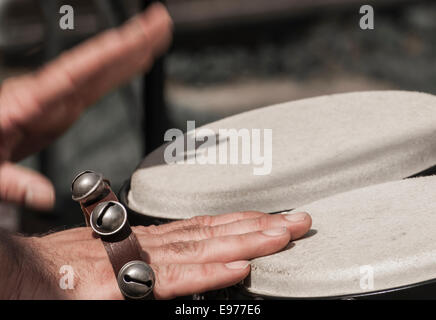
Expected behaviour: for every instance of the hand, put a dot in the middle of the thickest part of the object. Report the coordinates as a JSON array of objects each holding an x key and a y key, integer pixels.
[
  {"x": 190, "y": 256},
  {"x": 36, "y": 108}
]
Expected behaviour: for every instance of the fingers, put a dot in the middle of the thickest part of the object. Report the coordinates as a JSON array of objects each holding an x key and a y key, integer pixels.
[
  {"x": 222, "y": 249},
  {"x": 25, "y": 187},
  {"x": 109, "y": 59},
  {"x": 175, "y": 280},
  {"x": 41, "y": 106},
  {"x": 297, "y": 223},
  {"x": 201, "y": 221}
]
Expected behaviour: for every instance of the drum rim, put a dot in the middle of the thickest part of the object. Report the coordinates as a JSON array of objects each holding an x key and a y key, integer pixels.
[
  {"x": 125, "y": 188},
  {"x": 122, "y": 196},
  {"x": 370, "y": 294}
]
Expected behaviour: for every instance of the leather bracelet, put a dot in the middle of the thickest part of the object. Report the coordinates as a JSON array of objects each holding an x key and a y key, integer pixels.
[{"x": 108, "y": 218}]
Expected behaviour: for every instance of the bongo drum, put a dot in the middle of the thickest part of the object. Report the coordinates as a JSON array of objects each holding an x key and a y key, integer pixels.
[
  {"x": 377, "y": 242},
  {"x": 319, "y": 147}
]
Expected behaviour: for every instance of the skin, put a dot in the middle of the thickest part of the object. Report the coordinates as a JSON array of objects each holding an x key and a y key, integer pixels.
[{"x": 189, "y": 256}]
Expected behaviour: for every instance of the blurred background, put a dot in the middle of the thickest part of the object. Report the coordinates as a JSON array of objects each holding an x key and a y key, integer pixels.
[{"x": 228, "y": 56}]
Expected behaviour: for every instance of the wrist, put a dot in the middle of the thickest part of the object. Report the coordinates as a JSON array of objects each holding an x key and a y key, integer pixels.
[
  {"x": 11, "y": 265},
  {"x": 38, "y": 275},
  {"x": 28, "y": 276}
]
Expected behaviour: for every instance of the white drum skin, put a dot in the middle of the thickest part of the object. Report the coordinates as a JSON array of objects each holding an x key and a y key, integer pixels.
[
  {"x": 320, "y": 146},
  {"x": 388, "y": 230}
]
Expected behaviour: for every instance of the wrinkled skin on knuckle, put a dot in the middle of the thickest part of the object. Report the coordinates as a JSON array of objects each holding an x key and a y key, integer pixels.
[
  {"x": 180, "y": 248},
  {"x": 262, "y": 223},
  {"x": 202, "y": 220},
  {"x": 166, "y": 277},
  {"x": 207, "y": 232},
  {"x": 189, "y": 229},
  {"x": 195, "y": 232},
  {"x": 184, "y": 248},
  {"x": 206, "y": 272}
]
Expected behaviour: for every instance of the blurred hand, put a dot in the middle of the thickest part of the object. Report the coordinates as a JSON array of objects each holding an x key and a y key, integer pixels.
[
  {"x": 190, "y": 256},
  {"x": 36, "y": 108}
]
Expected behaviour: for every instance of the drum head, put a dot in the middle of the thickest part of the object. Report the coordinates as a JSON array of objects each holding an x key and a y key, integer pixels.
[
  {"x": 320, "y": 146},
  {"x": 370, "y": 239}
]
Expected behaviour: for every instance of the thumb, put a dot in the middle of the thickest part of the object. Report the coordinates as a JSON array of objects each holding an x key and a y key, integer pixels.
[{"x": 25, "y": 187}]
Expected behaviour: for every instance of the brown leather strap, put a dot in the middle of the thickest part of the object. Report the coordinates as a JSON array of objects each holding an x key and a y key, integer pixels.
[
  {"x": 122, "y": 247},
  {"x": 87, "y": 207}
]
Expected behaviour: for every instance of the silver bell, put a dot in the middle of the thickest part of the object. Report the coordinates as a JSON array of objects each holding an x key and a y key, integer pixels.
[
  {"x": 108, "y": 218},
  {"x": 87, "y": 185},
  {"x": 136, "y": 280}
]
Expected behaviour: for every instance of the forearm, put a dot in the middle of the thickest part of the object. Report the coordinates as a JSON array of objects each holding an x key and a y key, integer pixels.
[
  {"x": 9, "y": 264},
  {"x": 23, "y": 274}
]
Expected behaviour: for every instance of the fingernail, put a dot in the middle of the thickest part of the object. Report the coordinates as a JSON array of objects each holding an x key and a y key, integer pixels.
[
  {"x": 238, "y": 264},
  {"x": 296, "y": 217},
  {"x": 275, "y": 232}
]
